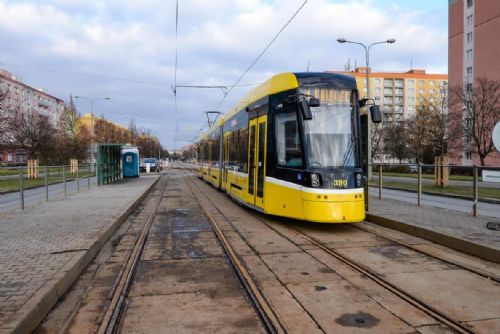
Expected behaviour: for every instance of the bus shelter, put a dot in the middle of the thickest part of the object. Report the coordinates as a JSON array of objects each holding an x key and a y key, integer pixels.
[{"x": 108, "y": 163}]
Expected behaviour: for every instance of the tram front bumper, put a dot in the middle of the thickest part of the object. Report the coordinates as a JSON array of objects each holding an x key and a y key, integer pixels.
[{"x": 334, "y": 209}]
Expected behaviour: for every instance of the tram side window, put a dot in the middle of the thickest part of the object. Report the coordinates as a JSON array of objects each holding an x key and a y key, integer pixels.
[
  {"x": 243, "y": 150},
  {"x": 216, "y": 151},
  {"x": 233, "y": 149},
  {"x": 288, "y": 146}
]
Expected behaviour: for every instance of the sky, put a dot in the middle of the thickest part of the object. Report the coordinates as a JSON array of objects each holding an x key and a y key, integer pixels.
[{"x": 126, "y": 50}]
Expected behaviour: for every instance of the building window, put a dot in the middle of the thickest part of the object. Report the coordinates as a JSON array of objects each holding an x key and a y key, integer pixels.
[
  {"x": 470, "y": 3},
  {"x": 411, "y": 91},
  {"x": 421, "y": 82},
  {"x": 387, "y": 91},
  {"x": 431, "y": 91},
  {"x": 469, "y": 54},
  {"x": 411, "y": 83},
  {"x": 388, "y": 82},
  {"x": 431, "y": 99},
  {"x": 377, "y": 82},
  {"x": 468, "y": 87},
  {"x": 469, "y": 37},
  {"x": 431, "y": 82},
  {"x": 411, "y": 100},
  {"x": 377, "y": 91},
  {"x": 469, "y": 20},
  {"x": 398, "y": 83},
  {"x": 469, "y": 70},
  {"x": 421, "y": 91},
  {"x": 468, "y": 155}
]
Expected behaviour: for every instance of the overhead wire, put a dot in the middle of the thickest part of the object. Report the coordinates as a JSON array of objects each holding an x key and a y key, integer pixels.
[
  {"x": 100, "y": 76},
  {"x": 107, "y": 77},
  {"x": 261, "y": 54},
  {"x": 175, "y": 67}
]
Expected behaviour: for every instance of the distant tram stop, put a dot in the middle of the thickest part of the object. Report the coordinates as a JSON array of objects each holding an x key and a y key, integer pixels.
[
  {"x": 130, "y": 161},
  {"x": 109, "y": 158}
]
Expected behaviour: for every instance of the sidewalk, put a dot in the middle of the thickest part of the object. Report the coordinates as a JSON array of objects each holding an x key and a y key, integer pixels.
[
  {"x": 44, "y": 248},
  {"x": 454, "y": 229}
]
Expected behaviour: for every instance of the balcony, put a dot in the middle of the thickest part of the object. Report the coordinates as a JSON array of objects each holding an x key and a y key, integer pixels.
[{"x": 43, "y": 103}]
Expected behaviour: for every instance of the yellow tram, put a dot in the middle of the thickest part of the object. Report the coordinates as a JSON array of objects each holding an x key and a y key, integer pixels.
[{"x": 292, "y": 148}]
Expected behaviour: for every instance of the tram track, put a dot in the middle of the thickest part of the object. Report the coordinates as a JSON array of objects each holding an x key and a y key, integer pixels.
[
  {"x": 469, "y": 268},
  {"x": 409, "y": 298},
  {"x": 266, "y": 314},
  {"x": 120, "y": 289},
  {"x": 416, "y": 302}
]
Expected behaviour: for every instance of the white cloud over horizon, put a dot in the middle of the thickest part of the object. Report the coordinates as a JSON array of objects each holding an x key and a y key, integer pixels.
[{"x": 217, "y": 41}]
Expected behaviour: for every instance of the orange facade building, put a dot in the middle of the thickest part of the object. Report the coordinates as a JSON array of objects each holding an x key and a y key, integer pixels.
[{"x": 401, "y": 94}]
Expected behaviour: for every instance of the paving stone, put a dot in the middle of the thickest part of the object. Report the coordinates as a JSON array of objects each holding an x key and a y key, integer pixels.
[{"x": 37, "y": 243}]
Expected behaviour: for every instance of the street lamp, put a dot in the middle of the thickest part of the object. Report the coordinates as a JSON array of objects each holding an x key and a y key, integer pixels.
[
  {"x": 368, "y": 135},
  {"x": 92, "y": 100}
]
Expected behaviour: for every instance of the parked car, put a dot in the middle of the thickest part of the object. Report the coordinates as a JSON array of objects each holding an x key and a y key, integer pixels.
[{"x": 154, "y": 166}]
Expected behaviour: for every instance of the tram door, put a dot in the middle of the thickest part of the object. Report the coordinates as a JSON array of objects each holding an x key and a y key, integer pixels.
[{"x": 257, "y": 160}]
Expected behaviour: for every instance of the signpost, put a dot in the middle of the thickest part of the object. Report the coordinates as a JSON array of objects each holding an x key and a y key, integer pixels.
[{"x": 496, "y": 136}]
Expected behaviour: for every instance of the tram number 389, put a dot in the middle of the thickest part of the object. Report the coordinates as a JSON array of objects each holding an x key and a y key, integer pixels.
[{"x": 339, "y": 183}]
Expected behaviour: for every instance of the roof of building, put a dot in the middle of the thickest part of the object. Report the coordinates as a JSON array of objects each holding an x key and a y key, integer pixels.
[
  {"x": 411, "y": 74},
  {"x": 6, "y": 75}
]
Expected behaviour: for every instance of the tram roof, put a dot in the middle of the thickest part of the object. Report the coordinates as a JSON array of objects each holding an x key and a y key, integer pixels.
[{"x": 283, "y": 82}]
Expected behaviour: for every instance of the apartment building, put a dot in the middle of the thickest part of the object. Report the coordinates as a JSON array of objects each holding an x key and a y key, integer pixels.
[
  {"x": 473, "y": 49},
  {"x": 25, "y": 98},
  {"x": 401, "y": 94}
]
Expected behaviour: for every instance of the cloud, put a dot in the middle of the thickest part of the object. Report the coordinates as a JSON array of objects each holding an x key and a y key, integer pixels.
[{"x": 217, "y": 41}]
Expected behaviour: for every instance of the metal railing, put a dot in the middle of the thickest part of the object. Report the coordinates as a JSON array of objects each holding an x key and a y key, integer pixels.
[
  {"x": 464, "y": 182},
  {"x": 59, "y": 179}
]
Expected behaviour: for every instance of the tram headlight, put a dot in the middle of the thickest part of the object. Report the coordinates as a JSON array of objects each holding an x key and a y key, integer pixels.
[
  {"x": 315, "y": 180},
  {"x": 359, "y": 180}
]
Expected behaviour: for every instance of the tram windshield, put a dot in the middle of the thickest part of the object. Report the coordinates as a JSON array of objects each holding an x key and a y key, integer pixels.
[{"x": 329, "y": 138}]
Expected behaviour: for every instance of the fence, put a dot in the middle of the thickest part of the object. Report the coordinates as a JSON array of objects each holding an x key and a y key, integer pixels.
[
  {"x": 60, "y": 179},
  {"x": 474, "y": 183}
]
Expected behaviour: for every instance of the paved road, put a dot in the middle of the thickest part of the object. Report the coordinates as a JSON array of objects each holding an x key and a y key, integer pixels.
[
  {"x": 484, "y": 209},
  {"x": 11, "y": 201},
  {"x": 402, "y": 179}
]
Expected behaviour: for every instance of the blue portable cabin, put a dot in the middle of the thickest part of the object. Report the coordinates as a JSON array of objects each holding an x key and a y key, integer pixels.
[{"x": 130, "y": 161}]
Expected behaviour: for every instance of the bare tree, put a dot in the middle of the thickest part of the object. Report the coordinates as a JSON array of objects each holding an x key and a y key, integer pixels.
[
  {"x": 396, "y": 140},
  {"x": 475, "y": 112},
  {"x": 32, "y": 131},
  {"x": 377, "y": 135},
  {"x": 427, "y": 132},
  {"x": 70, "y": 130},
  {"x": 5, "y": 113},
  {"x": 133, "y": 133}
]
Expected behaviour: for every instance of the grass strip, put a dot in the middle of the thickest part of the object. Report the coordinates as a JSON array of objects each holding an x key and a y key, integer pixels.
[{"x": 450, "y": 190}]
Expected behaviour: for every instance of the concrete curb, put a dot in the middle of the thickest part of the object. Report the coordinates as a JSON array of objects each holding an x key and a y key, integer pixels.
[
  {"x": 37, "y": 307},
  {"x": 453, "y": 242}
]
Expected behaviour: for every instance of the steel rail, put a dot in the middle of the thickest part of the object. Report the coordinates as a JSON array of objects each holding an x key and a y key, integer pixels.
[
  {"x": 122, "y": 286},
  {"x": 416, "y": 302},
  {"x": 259, "y": 302},
  {"x": 476, "y": 271}
]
